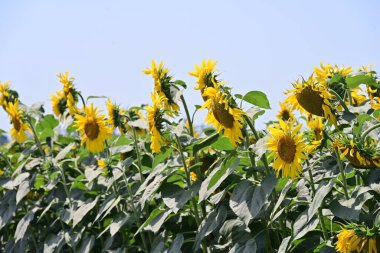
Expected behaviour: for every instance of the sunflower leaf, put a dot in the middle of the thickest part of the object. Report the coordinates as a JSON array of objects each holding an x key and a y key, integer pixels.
[
  {"x": 257, "y": 98},
  {"x": 354, "y": 81}
]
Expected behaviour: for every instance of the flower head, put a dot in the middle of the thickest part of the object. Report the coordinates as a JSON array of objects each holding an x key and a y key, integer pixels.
[
  {"x": 164, "y": 87},
  {"x": 224, "y": 114},
  {"x": 155, "y": 120},
  {"x": 59, "y": 103},
  {"x": 93, "y": 129},
  {"x": 287, "y": 148},
  {"x": 285, "y": 112},
  {"x": 19, "y": 125},
  {"x": 7, "y": 95},
  {"x": 205, "y": 74}
]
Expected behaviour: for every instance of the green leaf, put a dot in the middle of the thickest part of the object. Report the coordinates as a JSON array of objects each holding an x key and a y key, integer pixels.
[
  {"x": 92, "y": 97},
  {"x": 377, "y": 220},
  {"x": 257, "y": 98},
  {"x": 161, "y": 157},
  {"x": 39, "y": 182},
  {"x": 353, "y": 81},
  {"x": 358, "y": 126},
  {"x": 209, "y": 140},
  {"x": 223, "y": 143},
  {"x": 180, "y": 82}
]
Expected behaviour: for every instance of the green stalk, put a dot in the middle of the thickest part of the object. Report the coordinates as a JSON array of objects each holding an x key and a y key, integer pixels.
[
  {"x": 366, "y": 132},
  {"x": 65, "y": 185},
  {"x": 340, "y": 165},
  {"x": 188, "y": 116},
  {"x": 340, "y": 100},
  {"x": 138, "y": 155},
  {"x": 36, "y": 140},
  {"x": 188, "y": 181}
]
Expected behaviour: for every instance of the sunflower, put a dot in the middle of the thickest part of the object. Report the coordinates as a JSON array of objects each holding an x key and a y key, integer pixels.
[
  {"x": 205, "y": 74},
  {"x": 359, "y": 155},
  {"x": 309, "y": 96},
  {"x": 70, "y": 93},
  {"x": 16, "y": 115},
  {"x": 223, "y": 114},
  {"x": 133, "y": 114},
  {"x": 325, "y": 73},
  {"x": 348, "y": 241},
  {"x": 355, "y": 240},
  {"x": 164, "y": 86},
  {"x": 93, "y": 128},
  {"x": 357, "y": 98},
  {"x": 155, "y": 120},
  {"x": 115, "y": 118},
  {"x": 287, "y": 146},
  {"x": 59, "y": 103},
  {"x": 285, "y": 112},
  {"x": 316, "y": 126},
  {"x": 7, "y": 95}
]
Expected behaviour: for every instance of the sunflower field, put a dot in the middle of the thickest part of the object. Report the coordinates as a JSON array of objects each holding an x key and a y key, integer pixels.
[{"x": 147, "y": 179}]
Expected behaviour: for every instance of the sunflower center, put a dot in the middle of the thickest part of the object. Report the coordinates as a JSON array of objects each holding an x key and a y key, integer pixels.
[
  {"x": 16, "y": 124},
  {"x": 311, "y": 101},
  {"x": 222, "y": 114},
  {"x": 286, "y": 149},
  {"x": 285, "y": 115},
  {"x": 91, "y": 128}
]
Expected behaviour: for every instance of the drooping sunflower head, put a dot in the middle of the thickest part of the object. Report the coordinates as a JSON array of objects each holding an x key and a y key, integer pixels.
[
  {"x": 7, "y": 95},
  {"x": 115, "y": 118},
  {"x": 59, "y": 103},
  {"x": 287, "y": 149},
  {"x": 325, "y": 73},
  {"x": 360, "y": 155},
  {"x": 348, "y": 241},
  {"x": 69, "y": 92},
  {"x": 309, "y": 96},
  {"x": 164, "y": 86},
  {"x": 156, "y": 121},
  {"x": 285, "y": 113},
  {"x": 205, "y": 74},
  {"x": 19, "y": 125},
  {"x": 224, "y": 114},
  {"x": 93, "y": 129},
  {"x": 134, "y": 114}
]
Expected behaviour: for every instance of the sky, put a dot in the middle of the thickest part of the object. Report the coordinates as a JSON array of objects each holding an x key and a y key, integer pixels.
[{"x": 259, "y": 45}]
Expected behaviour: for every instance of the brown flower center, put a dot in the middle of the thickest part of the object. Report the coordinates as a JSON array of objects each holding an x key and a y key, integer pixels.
[
  {"x": 222, "y": 114},
  {"x": 91, "y": 128},
  {"x": 311, "y": 101},
  {"x": 16, "y": 124},
  {"x": 286, "y": 149},
  {"x": 285, "y": 115}
]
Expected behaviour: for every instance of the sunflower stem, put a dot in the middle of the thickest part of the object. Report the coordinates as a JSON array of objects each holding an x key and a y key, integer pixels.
[
  {"x": 256, "y": 135},
  {"x": 189, "y": 119},
  {"x": 340, "y": 165},
  {"x": 251, "y": 155},
  {"x": 188, "y": 181},
  {"x": 138, "y": 155},
  {"x": 320, "y": 215},
  {"x": 340, "y": 100},
  {"x": 349, "y": 97},
  {"x": 36, "y": 139},
  {"x": 81, "y": 97},
  {"x": 65, "y": 185},
  {"x": 366, "y": 132}
]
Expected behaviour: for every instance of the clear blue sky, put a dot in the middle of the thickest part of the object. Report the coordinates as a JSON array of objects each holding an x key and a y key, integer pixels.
[{"x": 259, "y": 45}]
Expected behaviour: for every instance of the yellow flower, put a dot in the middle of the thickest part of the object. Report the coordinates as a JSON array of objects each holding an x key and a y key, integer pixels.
[
  {"x": 69, "y": 91},
  {"x": 1, "y": 172},
  {"x": 58, "y": 102},
  {"x": 323, "y": 74},
  {"x": 287, "y": 147},
  {"x": 114, "y": 116},
  {"x": 163, "y": 86},
  {"x": 205, "y": 74},
  {"x": 311, "y": 97},
  {"x": 19, "y": 126},
  {"x": 348, "y": 241},
  {"x": 93, "y": 129},
  {"x": 359, "y": 157},
  {"x": 155, "y": 116},
  {"x": 357, "y": 98},
  {"x": 316, "y": 126},
  {"x": 102, "y": 164},
  {"x": 4, "y": 93},
  {"x": 223, "y": 115},
  {"x": 285, "y": 112}
]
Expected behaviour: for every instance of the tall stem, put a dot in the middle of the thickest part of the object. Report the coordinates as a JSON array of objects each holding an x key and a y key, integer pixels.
[
  {"x": 340, "y": 165},
  {"x": 138, "y": 155},
  {"x": 366, "y": 132},
  {"x": 37, "y": 141},
  {"x": 188, "y": 115},
  {"x": 340, "y": 100}
]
